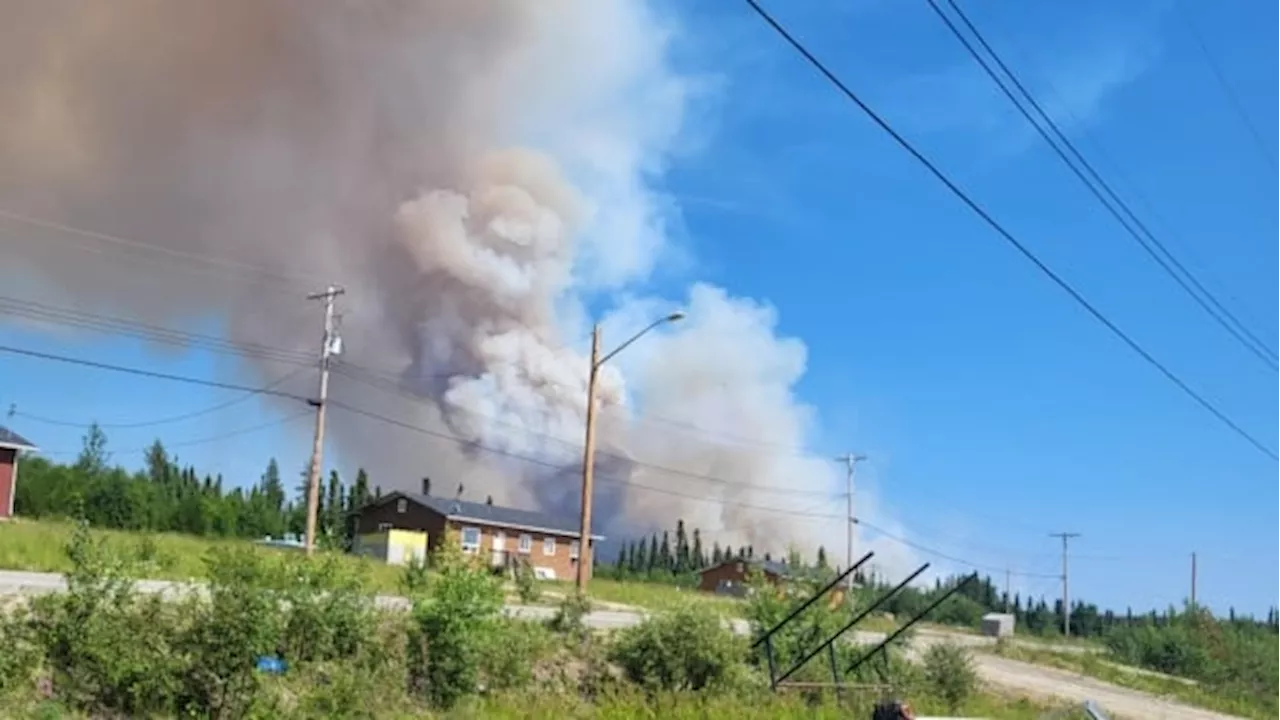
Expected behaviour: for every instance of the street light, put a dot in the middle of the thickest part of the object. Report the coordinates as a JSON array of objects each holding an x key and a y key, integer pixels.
[{"x": 585, "y": 551}]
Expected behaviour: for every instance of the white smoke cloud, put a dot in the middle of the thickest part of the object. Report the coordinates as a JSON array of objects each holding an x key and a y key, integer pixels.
[{"x": 476, "y": 174}]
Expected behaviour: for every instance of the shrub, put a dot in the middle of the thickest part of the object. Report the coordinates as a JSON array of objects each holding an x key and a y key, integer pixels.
[
  {"x": 450, "y": 623},
  {"x": 240, "y": 620},
  {"x": 526, "y": 583},
  {"x": 19, "y": 652},
  {"x": 414, "y": 577},
  {"x": 949, "y": 674},
  {"x": 510, "y": 651},
  {"x": 570, "y": 617},
  {"x": 685, "y": 649},
  {"x": 108, "y": 652},
  {"x": 329, "y": 613}
]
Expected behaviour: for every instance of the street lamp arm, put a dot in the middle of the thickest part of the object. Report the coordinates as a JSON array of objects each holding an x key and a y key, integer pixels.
[{"x": 673, "y": 317}]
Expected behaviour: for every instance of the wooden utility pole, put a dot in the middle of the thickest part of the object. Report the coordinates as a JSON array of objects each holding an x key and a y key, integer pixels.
[
  {"x": 588, "y": 467},
  {"x": 1066, "y": 595},
  {"x": 1193, "y": 582},
  {"x": 329, "y": 347},
  {"x": 850, "y": 461}
]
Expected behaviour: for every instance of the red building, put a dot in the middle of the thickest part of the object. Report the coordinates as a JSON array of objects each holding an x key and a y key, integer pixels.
[{"x": 11, "y": 443}]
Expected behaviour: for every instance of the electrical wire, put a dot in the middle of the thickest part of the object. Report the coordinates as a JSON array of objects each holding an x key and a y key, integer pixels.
[
  {"x": 198, "y": 441},
  {"x": 1225, "y": 85},
  {"x": 49, "y": 314},
  {"x": 238, "y": 268},
  {"x": 469, "y": 444},
  {"x": 944, "y": 556},
  {"x": 408, "y": 394},
  {"x": 1006, "y": 235},
  {"x": 165, "y": 420},
  {"x": 148, "y": 373},
  {"x": 603, "y": 478},
  {"x": 1129, "y": 221}
]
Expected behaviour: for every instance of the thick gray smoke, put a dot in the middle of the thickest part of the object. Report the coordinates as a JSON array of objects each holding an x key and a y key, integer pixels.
[{"x": 476, "y": 174}]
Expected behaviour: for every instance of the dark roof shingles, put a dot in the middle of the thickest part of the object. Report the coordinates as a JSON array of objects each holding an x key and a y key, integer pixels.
[
  {"x": 496, "y": 515},
  {"x": 9, "y": 438}
]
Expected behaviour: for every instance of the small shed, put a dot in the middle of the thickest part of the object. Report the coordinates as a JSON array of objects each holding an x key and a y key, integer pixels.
[{"x": 997, "y": 625}]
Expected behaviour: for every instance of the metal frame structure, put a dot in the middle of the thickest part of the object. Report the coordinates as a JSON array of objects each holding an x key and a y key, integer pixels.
[{"x": 777, "y": 680}]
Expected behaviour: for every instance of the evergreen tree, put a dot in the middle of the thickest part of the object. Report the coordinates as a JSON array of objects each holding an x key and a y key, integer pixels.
[
  {"x": 728, "y": 553},
  {"x": 664, "y": 554},
  {"x": 822, "y": 558},
  {"x": 642, "y": 557},
  {"x": 699, "y": 561},
  {"x": 334, "y": 505},
  {"x": 683, "y": 559},
  {"x": 654, "y": 558},
  {"x": 717, "y": 555}
]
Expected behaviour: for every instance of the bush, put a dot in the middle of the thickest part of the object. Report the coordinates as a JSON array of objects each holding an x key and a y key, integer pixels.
[
  {"x": 20, "y": 655},
  {"x": 329, "y": 612},
  {"x": 510, "y": 651},
  {"x": 413, "y": 580},
  {"x": 686, "y": 649},
  {"x": 108, "y": 652},
  {"x": 570, "y": 617},
  {"x": 239, "y": 621},
  {"x": 450, "y": 627},
  {"x": 949, "y": 674},
  {"x": 526, "y": 583}
]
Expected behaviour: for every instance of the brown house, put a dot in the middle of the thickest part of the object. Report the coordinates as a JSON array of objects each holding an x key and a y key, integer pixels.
[
  {"x": 11, "y": 443},
  {"x": 501, "y": 535},
  {"x": 730, "y": 577}
]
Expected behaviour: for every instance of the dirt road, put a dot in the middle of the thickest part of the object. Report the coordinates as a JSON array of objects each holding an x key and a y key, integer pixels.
[{"x": 1049, "y": 683}]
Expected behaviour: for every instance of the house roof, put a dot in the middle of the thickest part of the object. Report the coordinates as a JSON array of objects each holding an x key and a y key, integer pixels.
[
  {"x": 772, "y": 567},
  {"x": 485, "y": 514},
  {"x": 11, "y": 439}
]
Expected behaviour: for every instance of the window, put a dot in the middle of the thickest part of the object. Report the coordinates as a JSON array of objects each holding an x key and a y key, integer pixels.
[
  {"x": 573, "y": 550},
  {"x": 470, "y": 539},
  {"x": 402, "y": 505},
  {"x": 548, "y": 546},
  {"x": 526, "y": 543},
  {"x": 383, "y": 527}
]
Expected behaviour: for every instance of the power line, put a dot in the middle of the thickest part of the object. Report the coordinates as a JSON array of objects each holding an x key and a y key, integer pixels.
[
  {"x": 149, "y": 373},
  {"x": 236, "y": 267},
  {"x": 1006, "y": 235},
  {"x": 1225, "y": 85},
  {"x": 944, "y": 556},
  {"x": 51, "y": 314},
  {"x": 165, "y": 420},
  {"x": 107, "y": 324},
  {"x": 408, "y": 394},
  {"x": 1129, "y": 221},
  {"x": 199, "y": 441},
  {"x": 473, "y": 445}
]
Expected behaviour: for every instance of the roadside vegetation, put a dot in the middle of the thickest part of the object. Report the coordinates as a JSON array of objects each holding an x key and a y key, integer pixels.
[{"x": 283, "y": 636}]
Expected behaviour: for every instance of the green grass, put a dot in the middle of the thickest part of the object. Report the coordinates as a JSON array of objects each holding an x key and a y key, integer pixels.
[
  {"x": 634, "y": 706},
  {"x": 1096, "y": 665},
  {"x": 39, "y": 546}
]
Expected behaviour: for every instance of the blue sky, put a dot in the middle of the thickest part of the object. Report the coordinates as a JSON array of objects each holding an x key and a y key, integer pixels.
[{"x": 993, "y": 409}]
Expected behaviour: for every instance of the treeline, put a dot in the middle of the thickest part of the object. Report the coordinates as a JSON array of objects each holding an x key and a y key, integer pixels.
[{"x": 167, "y": 496}]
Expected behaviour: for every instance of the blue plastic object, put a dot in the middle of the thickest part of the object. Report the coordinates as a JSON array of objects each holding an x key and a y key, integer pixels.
[{"x": 272, "y": 665}]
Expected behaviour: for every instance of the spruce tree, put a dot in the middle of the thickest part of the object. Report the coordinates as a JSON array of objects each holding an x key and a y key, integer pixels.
[
  {"x": 682, "y": 559},
  {"x": 664, "y": 554},
  {"x": 698, "y": 561}
]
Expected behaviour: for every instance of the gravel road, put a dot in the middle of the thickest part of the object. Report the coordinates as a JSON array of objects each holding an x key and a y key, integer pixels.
[{"x": 1021, "y": 678}]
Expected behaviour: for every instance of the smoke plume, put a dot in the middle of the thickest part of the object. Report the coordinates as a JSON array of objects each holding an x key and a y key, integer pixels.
[{"x": 477, "y": 175}]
